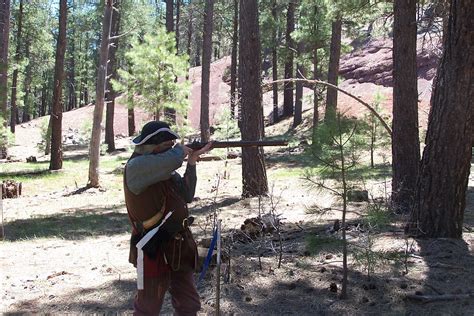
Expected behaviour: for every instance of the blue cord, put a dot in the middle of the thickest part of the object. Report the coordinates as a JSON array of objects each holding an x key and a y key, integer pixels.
[{"x": 209, "y": 256}]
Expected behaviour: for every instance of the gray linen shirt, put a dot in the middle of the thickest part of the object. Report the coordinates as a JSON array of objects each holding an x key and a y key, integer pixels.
[{"x": 145, "y": 170}]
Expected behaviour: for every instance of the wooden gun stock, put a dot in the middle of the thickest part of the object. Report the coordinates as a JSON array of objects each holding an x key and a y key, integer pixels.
[{"x": 241, "y": 143}]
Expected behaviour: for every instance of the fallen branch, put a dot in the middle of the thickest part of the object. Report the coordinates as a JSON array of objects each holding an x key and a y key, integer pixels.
[
  {"x": 438, "y": 298},
  {"x": 371, "y": 109}
]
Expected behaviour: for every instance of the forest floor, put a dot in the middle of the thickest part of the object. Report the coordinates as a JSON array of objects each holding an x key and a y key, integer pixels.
[{"x": 66, "y": 249}]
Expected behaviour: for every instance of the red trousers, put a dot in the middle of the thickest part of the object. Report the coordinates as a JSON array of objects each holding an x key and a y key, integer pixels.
[{"x": 184, "y": 296}]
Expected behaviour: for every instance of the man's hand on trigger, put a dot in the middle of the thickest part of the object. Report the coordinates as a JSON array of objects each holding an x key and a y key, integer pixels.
[{"x": 187, "y": 151}]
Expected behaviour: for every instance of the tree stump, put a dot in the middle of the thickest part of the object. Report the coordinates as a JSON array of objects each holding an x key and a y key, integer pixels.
[{"x": 11, "y": 189}]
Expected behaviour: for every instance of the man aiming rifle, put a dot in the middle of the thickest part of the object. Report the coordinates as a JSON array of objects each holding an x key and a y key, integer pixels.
[{"x": 162, "y": 247}]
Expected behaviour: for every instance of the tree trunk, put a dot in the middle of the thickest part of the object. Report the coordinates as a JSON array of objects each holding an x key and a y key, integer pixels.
[
  {"x": 206, "y": 69},
  {"x": 72, "y": 104},
  {"x": 112, "y": 69},
  {"x": 94, "y": 150},
  {"x": 4, "y": 37},
  {"x": 254, "y": 176},
  {"x": 27, "y": 105},
  {"x": 288, "y": 92},
  {"x": 190, "y": 36},
  {"x": 178, "y": 13},
  {"x": 56, "y": 161},
  {"x": 300, "y": 73},
  {"x": 169, "y": 113},
  {"x": 233, "y": 64},
  {"x": 14, "y": 107},
  {"x": 131, "y": 121},
  {"x": 197, "y": 53},
  {"x": 440, "y": 197},
  {"x": 169, "y": 16},
  {"x": 405, "y": 138},
  {"x": 333, "y": 70},
  {"x": 276, "y": 114},
  {"x": 315, "y": 89}
]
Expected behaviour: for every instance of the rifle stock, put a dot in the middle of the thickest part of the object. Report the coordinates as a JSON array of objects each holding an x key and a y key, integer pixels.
[{"x": 241, "y": 143}]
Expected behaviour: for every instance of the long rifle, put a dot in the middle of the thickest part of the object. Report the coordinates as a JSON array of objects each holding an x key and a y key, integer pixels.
[{"x": 196, "y": 145}]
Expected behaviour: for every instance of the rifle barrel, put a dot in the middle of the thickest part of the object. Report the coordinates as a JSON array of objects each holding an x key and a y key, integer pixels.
[{"x": 248, "y": 143}]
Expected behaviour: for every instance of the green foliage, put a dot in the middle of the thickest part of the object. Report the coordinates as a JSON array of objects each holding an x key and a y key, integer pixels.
[
  {"x": 45, "y": 130},
  {"x": 153, "y": 68},
  {"x": 318, "y": 244},
  {"x": 377, "y": 216},
  {"x": 6, "y": 137},
  {"x": 336, "y": 146},
  {"x": 226, "y": 126},
  {"x": 373, "y": 130}
]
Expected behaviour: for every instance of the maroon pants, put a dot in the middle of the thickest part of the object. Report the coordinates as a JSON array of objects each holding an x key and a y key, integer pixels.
[{"x": 184, "y": 296}]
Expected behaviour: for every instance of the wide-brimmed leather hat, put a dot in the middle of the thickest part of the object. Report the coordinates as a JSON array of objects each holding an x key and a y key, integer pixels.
[{"x": 154, "y": 133}]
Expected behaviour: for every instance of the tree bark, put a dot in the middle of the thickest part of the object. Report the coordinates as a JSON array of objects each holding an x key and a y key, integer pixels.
[
  {"x": 111, "y": 94},
  {"x": 14, "y": 107},
  {"x": 298, "y": 118},
  {"x": 169, "y": 16},
  {"x": 190, "y": 33},
  {"x": 440, "y": 197},
  {"x": 233, "y": 64},
  {"x": 27, "y": 105},
  {"x": 290, "y": 46},
  {"x": 315, "y": 89},
  {"x": 405, "y": 138},
  {"x": 333, "y": 70},
  {"x": 4, "y": 37},
  {"x": 178, "y": 13},
  {"x": 254, "y": 176},
  {"x": 276, "y": 113},
  {"x": 206, "y": 69},
  {"x": 56, "y": 161},
  {"x": 94, "y": 150}
]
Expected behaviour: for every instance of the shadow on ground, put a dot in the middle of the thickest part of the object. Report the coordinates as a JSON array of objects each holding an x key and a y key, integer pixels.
[
  {"x": 109, "y": 299},
  {"x": 79, "y": 224}
]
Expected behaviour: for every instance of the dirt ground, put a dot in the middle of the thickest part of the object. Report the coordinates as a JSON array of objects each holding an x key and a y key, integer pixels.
[{"x": 67, "y": 253}]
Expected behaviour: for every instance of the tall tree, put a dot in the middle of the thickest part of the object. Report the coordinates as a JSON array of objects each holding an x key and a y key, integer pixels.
[
  {"x": 300, "y": 74},
  {"x": 289, "y": 73},
  {"x": 111, "y": 94},
  {"x": 178, "y": 16},
  {"x": 440, "y": 197},
  {"x": 169, "y": 16},
  {"x": 206, "y": 69},
  {"x": 405, "y": 138},
  {"x": 94, "y": 149},
  {"x": 233, "y": 63},
  {"x": 14, "y": 107},
  {"x": 276, "y": 112},
  {"x": 4, "y": 33},
  {"x": 333, "y": 70},
  {"x": 56, "y": 161},
  {"x": 254, "y": 175}
]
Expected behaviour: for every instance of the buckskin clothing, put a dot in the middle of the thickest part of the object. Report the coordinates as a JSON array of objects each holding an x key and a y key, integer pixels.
[{"x": 151, "y": 186}]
